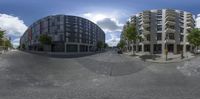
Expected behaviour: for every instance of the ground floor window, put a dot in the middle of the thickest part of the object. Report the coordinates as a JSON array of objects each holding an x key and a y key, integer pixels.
[
  {"x": 83, "y": 48},
  {"x": 58, "y": 47},
  {"x": 170, "y": 47},
  {"x": 146, "y": 48},
  {"x": 157, "y": 48},
  {"x": 72, "y": 48},
  {"x": 140, "y": 48}
]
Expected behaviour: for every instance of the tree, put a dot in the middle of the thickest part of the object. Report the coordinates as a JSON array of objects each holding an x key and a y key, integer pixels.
[
  {"x": 23, "y": 47},
  {"x": 8, "y": 44},
  {"x": 194, "y": 38},
  {"x": 45, "y": 39},
  {"x": 105, "y": 45},
  {"x": 2, "y": 33},
  {"x": 131, "y": 34},
  {"x": 121, "y": 44},
  {"x": 100, "y": 45}
]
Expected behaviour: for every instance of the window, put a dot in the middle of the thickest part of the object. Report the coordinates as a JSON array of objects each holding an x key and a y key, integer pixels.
[
  {"x": 53, "y": 24},
  {"x": 159, "y": 17},
  {"x": 159, "y": 21},
  {"x": 58, "y": 19},
  {"x": 181, "y": 23},
  {"x": 181, "y": 38},
  {"x": 159, "y": 36},
  {"x": 181, "y": 30},
  {"x": 58, "y": 27},
  {"x": 171, "y": 36},
  {"x": 148, "y": 37},
  {"x": 159, "y": 12},
  {"x": 159, "y": 27}
]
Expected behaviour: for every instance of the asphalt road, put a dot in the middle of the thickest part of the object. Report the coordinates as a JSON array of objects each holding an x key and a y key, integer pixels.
[{"x": 102, "y": 76}]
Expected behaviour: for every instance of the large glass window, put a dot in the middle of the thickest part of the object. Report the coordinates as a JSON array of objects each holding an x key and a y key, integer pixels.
[
  {"x": 72, "y": 48},
  {"x": 181, "y": 30},
  {"x": 171, "y": 36},
  {"x": 181, "y": 38},
  {"x": 148, "y": 37},
  {"x": 159, "y": 36},
  {"x": 159, "y": 21},
  {"x": 159, "y": 27}
]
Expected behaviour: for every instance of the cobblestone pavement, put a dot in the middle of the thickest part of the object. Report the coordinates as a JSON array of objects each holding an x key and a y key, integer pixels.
[{"x": 102, "y": 76}]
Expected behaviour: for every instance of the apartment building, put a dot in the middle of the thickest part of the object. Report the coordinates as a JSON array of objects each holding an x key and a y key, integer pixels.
[
  {"x": 68, "y": 33},
  {"x": 162, "y": 29}
]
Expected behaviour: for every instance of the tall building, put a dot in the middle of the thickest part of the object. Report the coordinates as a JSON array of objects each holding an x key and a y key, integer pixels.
[
  {"x": 162, "y": 29},
  {"x": 68, "y": 33}
]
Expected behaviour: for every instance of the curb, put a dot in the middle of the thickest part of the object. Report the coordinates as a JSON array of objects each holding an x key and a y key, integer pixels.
[{"x": 164, "y": 62}]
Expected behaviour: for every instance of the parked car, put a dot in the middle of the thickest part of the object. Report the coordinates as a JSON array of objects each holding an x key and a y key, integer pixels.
[
  {"x": 119, "y": 51},
  {"x": 198, "y": 51}
]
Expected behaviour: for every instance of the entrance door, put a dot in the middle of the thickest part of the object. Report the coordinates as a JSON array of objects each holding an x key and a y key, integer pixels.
[{"x": 170, "y": 47}]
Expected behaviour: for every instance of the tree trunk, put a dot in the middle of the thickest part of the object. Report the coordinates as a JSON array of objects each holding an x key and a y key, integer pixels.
[
  {"x": 133, "y": 50},
  {"x": 196, "y": 50}
]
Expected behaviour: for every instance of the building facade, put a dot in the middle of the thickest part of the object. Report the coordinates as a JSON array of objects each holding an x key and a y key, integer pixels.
[
  {"x": 162, "y": 29},
  {"x": 68, "y": 33}
]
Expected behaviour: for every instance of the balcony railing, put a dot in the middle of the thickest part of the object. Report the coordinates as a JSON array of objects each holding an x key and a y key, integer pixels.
[
  {"x": 171, "y": 41},
  {"x": 189, "y": 23},
  {"x": 145, "y": 20},
  {"x": 146, "y": 32},
  {"x": 170, "y": 22},
  {"x": 170, "y": 18},
  {"x": 170, "y": 13},
  {"x": 146, "y": 25},
  {"x": 170, "y": 30}
]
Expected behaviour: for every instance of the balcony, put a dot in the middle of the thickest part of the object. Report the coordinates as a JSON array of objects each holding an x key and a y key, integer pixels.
[
  {"x": 170, "y": 41},
  {"x": 144, "y": 17},
  {"x": 145, "y": 20},
  {"x": 171, "y": 18},
  {"x": 146, "y": 14},
  {"x": 170, "y": 22},
  {"x": 146, "y": 42},
  {"x": 190, "y": 24},
  {"x": 141, "y": 28},
  {"x": 189, "y": 28},
  {"x": 146, "y": 25},
  {"x": 146, "y": 32},
  {"x": 170, "y": 13},
  {"x": 190, "y": 19},
  {"x": 170, "y": 30},
  {"x": 189, "y": 15}
]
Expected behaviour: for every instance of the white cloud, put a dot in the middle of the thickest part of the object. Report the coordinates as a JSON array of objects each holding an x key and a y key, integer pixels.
[
  {"x": 198, "y": 21},
  {"x": 15, "y": 42},
  {"x": 113, "y": 40},
  {"x": 13, "y": 25},
  {"x": 109, "y": 23}
]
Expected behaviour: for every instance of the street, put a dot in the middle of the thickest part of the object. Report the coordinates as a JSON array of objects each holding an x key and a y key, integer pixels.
[{"x": 101, "y": 76}]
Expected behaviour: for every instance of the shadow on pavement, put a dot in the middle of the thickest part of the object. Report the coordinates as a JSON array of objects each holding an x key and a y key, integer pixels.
[
  {"x": 145, "y": 57},
  {"x": 63, "y": 55}
]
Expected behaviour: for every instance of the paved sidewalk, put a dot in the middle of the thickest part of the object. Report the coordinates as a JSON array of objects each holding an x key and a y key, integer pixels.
[{"x": 158, "y": 58}]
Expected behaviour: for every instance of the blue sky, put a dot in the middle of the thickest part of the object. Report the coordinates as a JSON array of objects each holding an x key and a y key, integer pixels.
[{"x": 108, "y": 14}]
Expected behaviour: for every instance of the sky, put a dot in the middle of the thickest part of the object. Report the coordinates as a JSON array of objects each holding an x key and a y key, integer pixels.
[{"x": 110, "y": 15}]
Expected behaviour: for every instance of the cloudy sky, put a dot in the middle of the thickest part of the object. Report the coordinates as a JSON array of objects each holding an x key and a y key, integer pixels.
[{"x": 110, "y": 15}]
